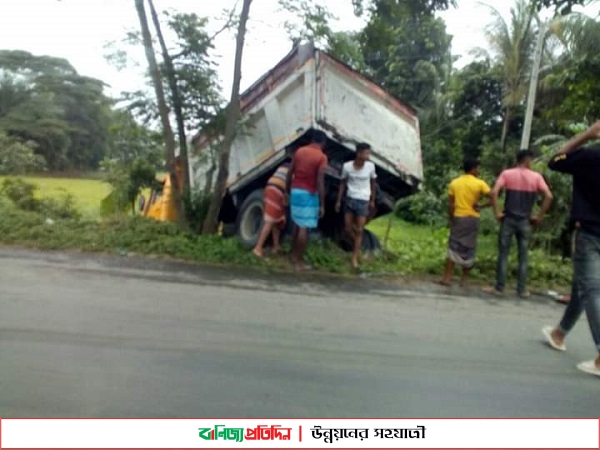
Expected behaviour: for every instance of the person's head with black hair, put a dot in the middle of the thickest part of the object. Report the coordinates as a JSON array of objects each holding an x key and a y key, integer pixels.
[
  {"x": 525, "y": 158},
  {"x": 319, "y": 138},
  {"x": 471, "y": 166},
  {"x": 363, "y": 152}
]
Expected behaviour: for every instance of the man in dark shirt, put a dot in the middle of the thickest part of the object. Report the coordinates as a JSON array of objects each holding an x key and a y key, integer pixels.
[{"x": 584, "y": 165}]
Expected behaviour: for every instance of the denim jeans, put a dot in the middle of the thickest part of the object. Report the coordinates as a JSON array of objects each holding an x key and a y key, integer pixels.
[
  {"x": 521, "y": 229},
  {"x": 585, "y": 290}
]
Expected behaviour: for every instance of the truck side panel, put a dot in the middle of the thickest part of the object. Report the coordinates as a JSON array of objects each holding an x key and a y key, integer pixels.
[
  {"x": 356, "y": 110},
  {"x": 269, "y": 123}
]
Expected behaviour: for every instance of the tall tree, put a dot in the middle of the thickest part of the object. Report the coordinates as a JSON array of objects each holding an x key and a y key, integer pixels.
[
  {"x": 176, "y": 101},
  {"x": 163, "y": 109},
  {"x": 407, "y": 50},
  {"x": 512, "y": 44},
  {"x": 43, "y": 99},
  {"x": 233, "y": 115},
  {"x": 570, "y": 89}
]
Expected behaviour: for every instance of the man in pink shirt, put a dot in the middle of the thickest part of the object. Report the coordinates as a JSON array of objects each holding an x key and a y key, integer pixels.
[{"x": 522, "y": 186}]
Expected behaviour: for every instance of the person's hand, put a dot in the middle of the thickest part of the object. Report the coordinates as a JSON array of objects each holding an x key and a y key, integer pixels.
[
  {"x": 338, "y": 206},
  {"x": 535, "y": 220},
  {"x": 500, "y": 217},
  {"x": 476, "y": 207},
  {"x": 321, "y": 212},
  {"x": 594, "y": 131}
]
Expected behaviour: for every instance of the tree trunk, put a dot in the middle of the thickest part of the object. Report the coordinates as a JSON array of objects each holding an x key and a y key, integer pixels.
[
  {"x": 163, "y": 109},
  {"x": 233, "y": 113},
  {"x": 505, "y": 128},
  {"x": 175, "y": 100}
]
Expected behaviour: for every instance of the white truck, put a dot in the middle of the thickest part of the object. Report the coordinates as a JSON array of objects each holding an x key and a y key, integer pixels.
[{"x": 305, "y": 91}]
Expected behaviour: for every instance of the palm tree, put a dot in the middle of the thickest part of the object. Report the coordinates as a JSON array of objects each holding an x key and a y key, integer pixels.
[
  {"x": 574, "y": 71},
  {"x": 512, "y": 45}
]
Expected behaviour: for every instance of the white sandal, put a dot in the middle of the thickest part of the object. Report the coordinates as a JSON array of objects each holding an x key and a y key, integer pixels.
[
  {"x": 589, "y": 367},
  {"x": 548, "y": 334}
]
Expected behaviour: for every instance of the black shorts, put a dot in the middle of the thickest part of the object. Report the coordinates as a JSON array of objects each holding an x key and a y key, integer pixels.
[{"x": 359, "y": 208}]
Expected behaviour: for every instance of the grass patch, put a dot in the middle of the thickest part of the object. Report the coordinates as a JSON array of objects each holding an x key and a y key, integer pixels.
[
  {"x": 421, "y": 250},
  {"x": 88, "y": 193}
]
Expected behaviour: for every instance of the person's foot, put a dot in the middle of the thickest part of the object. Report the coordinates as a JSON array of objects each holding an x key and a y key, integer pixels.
[
  {"x": 555, "y": 338},
  {"x": 524, "y": 294},
  {"x": 492, "y": 290},
  {"x": 592, "y": 367},
  {"x": 258, "y": 252},
  {"x": 302, "y": 267},
  {"x": 444, "y": 282},
  {"x": 355, "y": 263},
  {"x": 275, "y": 251}
]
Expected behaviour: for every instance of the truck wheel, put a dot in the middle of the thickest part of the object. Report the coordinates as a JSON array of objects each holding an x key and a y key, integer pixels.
[
  {"x": 250, "y": 219},
  {"x": 370, "y": 243}
]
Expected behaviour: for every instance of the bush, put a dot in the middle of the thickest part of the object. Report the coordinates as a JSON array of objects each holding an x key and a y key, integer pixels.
[
  {"x": 22, "y": 195},
  {"x": 196, "y": 206},
  {"x": 423, "y": 208}
]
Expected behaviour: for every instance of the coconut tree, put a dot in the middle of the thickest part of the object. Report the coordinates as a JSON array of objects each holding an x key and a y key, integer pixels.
[
  {"x": 512, "y": 44},
  {"x": 570, "y": 88}
]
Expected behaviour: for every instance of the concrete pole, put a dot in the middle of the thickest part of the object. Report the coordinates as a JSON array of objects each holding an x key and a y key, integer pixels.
[{"x": 535, "y": 72}]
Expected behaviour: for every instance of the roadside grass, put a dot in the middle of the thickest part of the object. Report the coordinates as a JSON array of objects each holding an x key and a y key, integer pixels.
[
  {"x": 411, "y": 251},
  {"x": 87, "y": 192},
  {"x": 416, "y": 250}
]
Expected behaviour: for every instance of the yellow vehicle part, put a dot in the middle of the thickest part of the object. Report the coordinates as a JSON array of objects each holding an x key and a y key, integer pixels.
[{"x": 161, "y": 204}]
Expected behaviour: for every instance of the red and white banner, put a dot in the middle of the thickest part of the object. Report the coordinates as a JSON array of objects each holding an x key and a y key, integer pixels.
[{"x": 301, "y": 433}]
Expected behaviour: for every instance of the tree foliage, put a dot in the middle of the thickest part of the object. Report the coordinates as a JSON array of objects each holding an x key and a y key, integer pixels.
[
  {"x": 407, "y": 50},
  {"x": 44, "y": 100},
  {"x": 17, "y": 157}
]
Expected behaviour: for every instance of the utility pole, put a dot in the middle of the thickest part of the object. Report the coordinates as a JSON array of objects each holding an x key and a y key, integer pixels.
[{"x": 535, "y": 72}]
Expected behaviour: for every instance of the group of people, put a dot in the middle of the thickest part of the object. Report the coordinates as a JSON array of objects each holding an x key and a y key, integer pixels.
[
  {"x": 523, "y": 186},
  {"x": 301, "y": 182}
]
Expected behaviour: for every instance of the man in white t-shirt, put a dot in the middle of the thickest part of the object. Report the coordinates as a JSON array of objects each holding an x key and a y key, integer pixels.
[{"x": 358, "y": 178}]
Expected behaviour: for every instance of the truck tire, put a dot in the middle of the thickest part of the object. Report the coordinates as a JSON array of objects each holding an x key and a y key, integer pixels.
[
  {"x": 370, "y": 243},
  {"x": 250, "y": 219}
]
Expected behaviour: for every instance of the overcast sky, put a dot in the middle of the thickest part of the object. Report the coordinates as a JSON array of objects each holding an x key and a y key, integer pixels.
[{"x": 79, "y": 29}]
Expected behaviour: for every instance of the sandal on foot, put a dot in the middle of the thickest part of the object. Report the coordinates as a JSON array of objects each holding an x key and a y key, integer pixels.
[
  {"x": 589, "y": 367},
  {"x": 547, "y": 331},
  {"x": 492, "y": 290}
]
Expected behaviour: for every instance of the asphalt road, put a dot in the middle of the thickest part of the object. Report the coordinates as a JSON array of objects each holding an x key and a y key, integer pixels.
[{"x": 105, "y": 336}]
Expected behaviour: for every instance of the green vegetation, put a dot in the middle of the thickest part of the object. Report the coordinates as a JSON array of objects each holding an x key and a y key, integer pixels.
[
  {"x": 419, "y": 250},
  {"x": 87, "y": 193},
  {"x": 52, "y": 118},
  {"x": 414, "y": 251}
]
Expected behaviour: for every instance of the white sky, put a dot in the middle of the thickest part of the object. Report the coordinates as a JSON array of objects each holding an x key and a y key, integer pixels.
[{"x": 78, "y": 30}]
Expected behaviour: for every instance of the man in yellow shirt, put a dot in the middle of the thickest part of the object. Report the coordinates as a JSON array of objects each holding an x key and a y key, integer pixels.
[{"x": 464, "y": 194}]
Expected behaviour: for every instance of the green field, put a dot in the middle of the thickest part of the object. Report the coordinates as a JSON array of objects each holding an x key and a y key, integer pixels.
[{"x": 88, "y": 193}]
